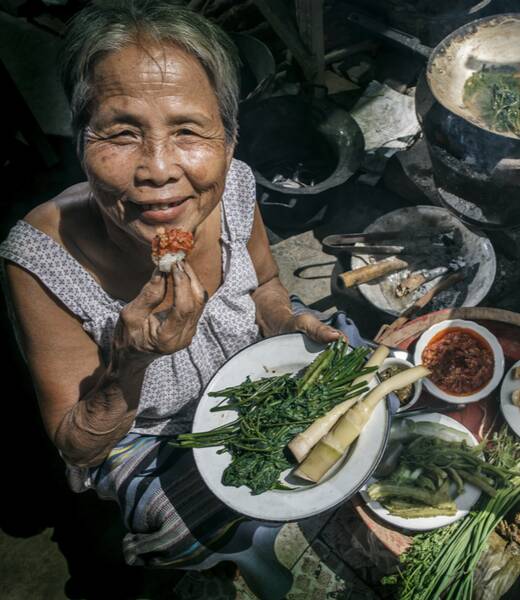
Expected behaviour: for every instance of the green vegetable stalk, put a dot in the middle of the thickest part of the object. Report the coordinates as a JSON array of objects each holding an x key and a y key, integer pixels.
[
  {"x": 441, "y": 563},
  {"x": 272, "y": 411}
]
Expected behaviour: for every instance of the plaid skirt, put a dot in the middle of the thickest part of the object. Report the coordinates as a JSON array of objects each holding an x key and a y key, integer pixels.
[{"x": 173, "y": 519}]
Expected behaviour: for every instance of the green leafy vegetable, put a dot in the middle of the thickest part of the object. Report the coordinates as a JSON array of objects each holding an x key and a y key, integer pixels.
[
  {"x": 271, "y": 411},
  {"x": 495, "y": 97}
]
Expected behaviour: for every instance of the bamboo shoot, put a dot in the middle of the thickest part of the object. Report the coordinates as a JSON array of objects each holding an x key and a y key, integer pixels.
[
  {"x": 301, "y": 445},
  {"x": 332, "y": 447}
]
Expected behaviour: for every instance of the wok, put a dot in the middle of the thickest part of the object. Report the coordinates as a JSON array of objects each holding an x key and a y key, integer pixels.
[{"x": 490, "y": 42}]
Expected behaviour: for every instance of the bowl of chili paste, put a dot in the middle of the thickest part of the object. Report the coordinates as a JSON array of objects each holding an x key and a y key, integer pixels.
[{"x": 465, "y": 359}]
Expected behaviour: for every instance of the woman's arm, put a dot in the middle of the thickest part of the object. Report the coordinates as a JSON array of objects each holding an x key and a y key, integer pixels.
[
  {"x": 87, "y": 406},
  {"x": 273, "y": 307}
]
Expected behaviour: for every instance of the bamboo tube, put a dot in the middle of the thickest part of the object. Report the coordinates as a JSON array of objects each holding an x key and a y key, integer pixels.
[
  {"x": 332, "y": 447},
  {"x": 301, "y": 445},
  {"x": 370, "y": 272}
]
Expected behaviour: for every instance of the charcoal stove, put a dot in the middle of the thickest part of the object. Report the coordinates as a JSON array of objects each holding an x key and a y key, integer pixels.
[{"x": 476, "y": 172}]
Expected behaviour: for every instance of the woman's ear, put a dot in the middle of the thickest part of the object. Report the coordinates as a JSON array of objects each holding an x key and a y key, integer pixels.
[{"x": 230, "y": 149}]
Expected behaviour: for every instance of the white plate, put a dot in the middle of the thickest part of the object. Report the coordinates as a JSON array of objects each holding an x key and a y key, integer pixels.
[
  {"x": 498, "y": 355},
  {"x": 476, "y": 251},
  {"x": 464, "y": 502},
  {"x": 273, "y": 356},
  {"x": 509, "y": 410}
]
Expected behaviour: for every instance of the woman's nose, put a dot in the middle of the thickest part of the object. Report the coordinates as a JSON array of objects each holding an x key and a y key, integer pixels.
[{"x": 159, "y": 164}]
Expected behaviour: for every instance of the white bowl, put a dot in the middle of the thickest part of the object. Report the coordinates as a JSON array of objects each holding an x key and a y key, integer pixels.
[
  {"x": 417, "y": 386},
  {"x": 498, "y": 355}
]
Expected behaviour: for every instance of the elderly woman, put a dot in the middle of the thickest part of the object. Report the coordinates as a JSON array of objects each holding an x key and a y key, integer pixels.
[{"x": 120, "y": 352}]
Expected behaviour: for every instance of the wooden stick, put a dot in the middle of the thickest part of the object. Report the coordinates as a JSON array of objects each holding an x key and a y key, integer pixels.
[{"x": 370, "y": 272}]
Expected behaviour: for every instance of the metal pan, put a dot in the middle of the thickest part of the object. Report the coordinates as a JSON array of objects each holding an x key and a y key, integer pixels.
[
  {"x": 488, "y": 42},
  {"x": 491, "y": 42}
]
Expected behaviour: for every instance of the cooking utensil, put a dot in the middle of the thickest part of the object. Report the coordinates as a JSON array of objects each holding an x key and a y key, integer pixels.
[
  {"x": 304, "y": 135},
  {"x": 408, "y": 313},
  {"x": 490, "y": 42},
  {"x": 426, "y": 410},
  {"x": 412, "y": 248},
  {"x": 415, "y": 280},
  {"x": 370, "y": 272},
  {"x": 348, "y": 239},
  {"x": 474, "y": 250},
  {"x": 445, "y": 283}
]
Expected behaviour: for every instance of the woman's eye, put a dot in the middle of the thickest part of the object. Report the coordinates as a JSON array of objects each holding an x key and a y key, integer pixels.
[
  {"x": 124, "y": 133},
  {"x": 186, "y": 132}
]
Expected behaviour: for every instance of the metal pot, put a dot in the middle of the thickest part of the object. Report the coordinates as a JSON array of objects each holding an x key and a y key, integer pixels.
[
  {"x": 298, "y": 137},
  {"x": 487, "y": 42},
  {"x": 470, "y": 160}
]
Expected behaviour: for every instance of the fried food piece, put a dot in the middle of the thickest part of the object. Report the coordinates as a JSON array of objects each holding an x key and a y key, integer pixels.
[
  {"x": 169, "y": 247},
  {"x": 515, "y": 397}
]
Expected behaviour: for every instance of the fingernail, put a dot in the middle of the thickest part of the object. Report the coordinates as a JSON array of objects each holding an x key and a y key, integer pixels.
[{"x": 156, "y": 275}]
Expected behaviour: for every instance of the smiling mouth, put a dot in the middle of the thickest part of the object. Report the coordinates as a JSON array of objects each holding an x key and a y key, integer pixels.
[{"x": 163, "y": 206}]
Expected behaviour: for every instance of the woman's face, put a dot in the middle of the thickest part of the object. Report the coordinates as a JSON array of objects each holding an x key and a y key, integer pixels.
[{"x": 155, "y": 149}]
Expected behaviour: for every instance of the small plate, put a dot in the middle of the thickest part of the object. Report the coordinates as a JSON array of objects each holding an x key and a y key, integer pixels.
[
  {"x": 476, "y": 251},
  {"x": 509, "y": 410},
  {"x": 286, "y": 353},
  {"x": 417, "y": 386},
  {"x": 464, "y": 501},
  {"x": 498, "y": 355}
]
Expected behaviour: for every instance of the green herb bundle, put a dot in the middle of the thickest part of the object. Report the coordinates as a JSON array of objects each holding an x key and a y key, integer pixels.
[
  {"x": 495, "y": 96},
  {"x": 442, "y": 563},
  {"x": 272, "y": 411}
]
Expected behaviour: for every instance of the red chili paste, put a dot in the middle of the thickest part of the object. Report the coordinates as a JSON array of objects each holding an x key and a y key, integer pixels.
[{"x": 461, "y": 361}]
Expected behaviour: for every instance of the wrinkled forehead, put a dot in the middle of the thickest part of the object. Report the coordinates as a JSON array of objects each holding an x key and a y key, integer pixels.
[{"x": 152, "y": 67}]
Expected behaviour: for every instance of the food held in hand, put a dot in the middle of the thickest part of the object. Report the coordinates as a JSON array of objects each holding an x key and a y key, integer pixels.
[
  {"x": 461, "y": 361},
  {"x": 170, "y": 247}
]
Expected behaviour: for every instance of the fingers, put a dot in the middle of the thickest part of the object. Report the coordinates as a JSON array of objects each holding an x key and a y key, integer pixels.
[
  {"x": 151, "y": 295},
  {"x": 189, "y": 301},
  {"x": 196, "y": 286},
  {"x": 316, "y": 330}
]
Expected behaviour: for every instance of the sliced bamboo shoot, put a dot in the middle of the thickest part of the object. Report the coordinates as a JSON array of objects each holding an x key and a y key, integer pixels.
[
  {"x": 301, "y": 445},
  {"x": 332, "y": 447}
]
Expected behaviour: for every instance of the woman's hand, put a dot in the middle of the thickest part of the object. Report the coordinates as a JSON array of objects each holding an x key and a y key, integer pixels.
[
  {"x": 312, "y": 327},
  {"x": 140, "y": 329}
]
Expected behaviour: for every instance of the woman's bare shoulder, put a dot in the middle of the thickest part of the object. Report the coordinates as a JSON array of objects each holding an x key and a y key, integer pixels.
[{"x": 61, "y": 212}]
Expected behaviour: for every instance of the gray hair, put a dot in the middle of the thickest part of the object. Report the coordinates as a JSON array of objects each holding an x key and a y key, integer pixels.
[{"x": 111, "y": 25}]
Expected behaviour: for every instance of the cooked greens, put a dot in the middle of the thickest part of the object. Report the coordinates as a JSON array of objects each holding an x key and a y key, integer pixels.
[
  {"x": 430, "y": 473},
  {"x": 442, "y": 562},
  {"x": 271, "y": 411},
  {"x": 495, "y": 97}
]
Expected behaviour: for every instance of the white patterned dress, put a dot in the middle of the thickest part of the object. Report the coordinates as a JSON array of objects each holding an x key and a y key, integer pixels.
[{"x": 171, "y": 516}]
